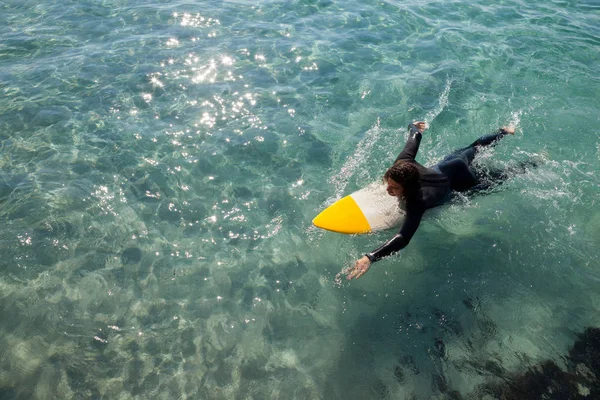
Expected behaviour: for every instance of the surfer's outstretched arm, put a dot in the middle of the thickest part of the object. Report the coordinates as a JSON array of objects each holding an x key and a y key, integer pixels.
[
  {"x": 412, "y": 144},
  {"x": 395, "y": 244},
  {"x": 401, "y": 239}
]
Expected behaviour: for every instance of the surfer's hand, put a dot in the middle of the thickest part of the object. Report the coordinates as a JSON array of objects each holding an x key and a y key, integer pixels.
[
  {"x": 508, "y": 129},
  {"x": 360, "y": 268},
  {"x": 421, "y": 126}
]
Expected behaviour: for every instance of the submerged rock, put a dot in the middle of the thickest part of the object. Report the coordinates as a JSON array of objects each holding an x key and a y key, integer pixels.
[
  {"x": 50, "y": 116},
  {"x": 547, "y": 381},
  {"x": 131, "y": 255}
]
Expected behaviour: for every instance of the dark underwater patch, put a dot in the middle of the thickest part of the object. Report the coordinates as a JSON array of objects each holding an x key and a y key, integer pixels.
[
  {"x": 548, "y": 381},
  {"x": 131, "y": 255}
]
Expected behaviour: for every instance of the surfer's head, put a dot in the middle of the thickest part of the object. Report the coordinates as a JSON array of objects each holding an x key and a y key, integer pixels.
[{"x": 403, "y": 180}]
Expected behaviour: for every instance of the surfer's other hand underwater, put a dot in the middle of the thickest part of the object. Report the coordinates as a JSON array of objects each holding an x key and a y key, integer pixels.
[{"x": 419, "y": 188}]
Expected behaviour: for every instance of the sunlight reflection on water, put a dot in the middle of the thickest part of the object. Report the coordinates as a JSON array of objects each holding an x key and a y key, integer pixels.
[{"x": 160, "y": 165}]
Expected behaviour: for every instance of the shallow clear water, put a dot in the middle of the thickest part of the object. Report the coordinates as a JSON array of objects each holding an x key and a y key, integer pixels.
[{"x": 160, "y": 165}]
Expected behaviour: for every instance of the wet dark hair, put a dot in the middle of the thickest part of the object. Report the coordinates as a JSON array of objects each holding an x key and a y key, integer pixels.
[{"x": 407, "y": 175}]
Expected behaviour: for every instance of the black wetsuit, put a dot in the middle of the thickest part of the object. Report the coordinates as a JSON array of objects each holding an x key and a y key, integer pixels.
[{"x": 437, "y": 183}]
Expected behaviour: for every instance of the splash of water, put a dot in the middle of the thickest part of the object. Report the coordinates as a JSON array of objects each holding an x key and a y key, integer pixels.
[
  {"x": 355, "y": 162},
  {"x": 443, "y": 103},
  {"x": 515, "y": 118}
]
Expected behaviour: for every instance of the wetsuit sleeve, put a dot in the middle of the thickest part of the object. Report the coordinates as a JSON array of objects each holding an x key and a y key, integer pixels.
[
  {"x": 412, "y": 145},
  {"x": 400, "y": 241}
]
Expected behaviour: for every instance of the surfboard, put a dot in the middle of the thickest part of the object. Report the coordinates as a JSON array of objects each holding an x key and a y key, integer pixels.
[{"x": 369, "y": 209}]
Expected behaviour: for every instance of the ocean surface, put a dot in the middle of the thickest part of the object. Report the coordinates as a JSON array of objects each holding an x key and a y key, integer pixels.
[{"x": 161, "y": 162}]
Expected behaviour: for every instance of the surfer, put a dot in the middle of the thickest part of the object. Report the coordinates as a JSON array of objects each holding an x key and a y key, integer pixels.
[{"x": 419, "y": 188}]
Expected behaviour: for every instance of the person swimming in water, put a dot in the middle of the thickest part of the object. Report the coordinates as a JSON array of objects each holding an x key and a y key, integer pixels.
[{"x": 420, "y": 188}]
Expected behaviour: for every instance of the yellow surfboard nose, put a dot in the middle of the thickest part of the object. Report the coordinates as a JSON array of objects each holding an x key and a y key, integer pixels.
[{"x": 344, "y": 216}]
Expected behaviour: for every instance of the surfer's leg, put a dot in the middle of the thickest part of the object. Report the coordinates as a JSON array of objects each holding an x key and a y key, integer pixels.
[
  {"x": 457, "y": 165},
  {"x": 468, "y": 153},
  {"x": 459, "y": 174},
  {"x": 490, "y": 178}
]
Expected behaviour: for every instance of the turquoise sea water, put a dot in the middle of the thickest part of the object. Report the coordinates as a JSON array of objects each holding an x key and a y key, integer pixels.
[{"x": 160, "y": 163}]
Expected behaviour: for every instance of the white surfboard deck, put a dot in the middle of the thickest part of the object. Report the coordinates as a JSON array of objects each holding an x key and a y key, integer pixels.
[{"x": 370, "y": 209}]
